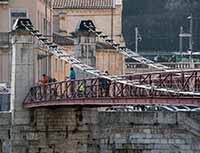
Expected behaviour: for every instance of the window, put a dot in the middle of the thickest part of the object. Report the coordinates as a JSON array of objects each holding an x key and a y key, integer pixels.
[
  {"x": 4, "y": 66},
  {"x": 87, "y": 39},
  {"x": 16, "y": 13},
  {"x": 91, "y": 51},
  {"x": 56, "y": 65}
]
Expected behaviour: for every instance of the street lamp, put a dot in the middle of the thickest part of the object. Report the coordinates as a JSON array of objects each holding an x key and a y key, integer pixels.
[
  {"x": 191, "y": 30},
  {"x": 190, "y": 38},
  {"x": 187, "y": 35},
  {"x": 137, "y": 38}
]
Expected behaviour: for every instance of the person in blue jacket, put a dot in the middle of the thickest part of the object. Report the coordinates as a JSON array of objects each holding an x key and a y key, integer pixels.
[
  {"x": 72, "y": 77},
  {"x": 72, "y": 74}
]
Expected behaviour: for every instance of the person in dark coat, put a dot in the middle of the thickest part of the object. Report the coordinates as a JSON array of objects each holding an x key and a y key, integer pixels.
[{"x": 104, "y": 85}]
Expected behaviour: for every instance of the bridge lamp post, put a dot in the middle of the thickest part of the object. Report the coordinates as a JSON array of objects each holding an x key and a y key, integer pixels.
[
  {"x": 191, "y": 35},
  {"x": 190, "y": 18},
  {"x": 137, "y": 38},
  {"x": 188, "y": 35}
]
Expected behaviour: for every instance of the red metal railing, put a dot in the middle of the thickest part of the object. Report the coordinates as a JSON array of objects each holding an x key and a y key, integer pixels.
[
  {"x": 88, "y": 88},
  {"x": 94, "y": 88},
  {"x": 178, "y": 80}
]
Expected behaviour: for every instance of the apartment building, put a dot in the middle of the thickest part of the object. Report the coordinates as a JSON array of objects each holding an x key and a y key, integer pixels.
[
  {"x": 106, "y": 15},
  {"x": 39, "y": 11}
]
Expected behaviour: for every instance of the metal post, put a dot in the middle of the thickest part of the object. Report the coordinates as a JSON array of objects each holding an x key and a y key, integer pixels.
[
  {"x": 191, "y": 30},
  {"x": 136, "y": 39},
  {"x": 181, "y": 43},
  {"x": 181, "y": 40},
  {"x": 87, "y": 47}
]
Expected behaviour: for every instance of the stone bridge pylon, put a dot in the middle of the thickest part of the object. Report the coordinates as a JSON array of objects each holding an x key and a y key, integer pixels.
[{"x": 21, "y": 81}]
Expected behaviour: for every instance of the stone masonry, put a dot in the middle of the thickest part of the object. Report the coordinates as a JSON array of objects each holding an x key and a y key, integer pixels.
[
  {"x": 21, "y": 81},
  {"x": 84, "y": 130},
  {"x": 5, "y": 132},
  {"x": 63, "y": 130},
  {"x": 149, "y": 132}
]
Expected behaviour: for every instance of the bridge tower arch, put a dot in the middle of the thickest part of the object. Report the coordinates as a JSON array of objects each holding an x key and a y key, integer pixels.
[
  {"x": 85, "y": 45},
  {"x": 22, "y": 78}
]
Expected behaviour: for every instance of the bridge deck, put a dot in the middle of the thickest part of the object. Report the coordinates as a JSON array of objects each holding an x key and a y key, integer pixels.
[{"x": 109, "y": 101}]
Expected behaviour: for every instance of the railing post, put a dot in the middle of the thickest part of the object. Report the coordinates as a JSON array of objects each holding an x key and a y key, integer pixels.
[
  {"x": 50, "y": 91},
  {"x": 61, "y": 89},
  {"x": 66, "y": 89},
  {"x": 183, "y": 80},
  {"x": 195, "y": 82}
]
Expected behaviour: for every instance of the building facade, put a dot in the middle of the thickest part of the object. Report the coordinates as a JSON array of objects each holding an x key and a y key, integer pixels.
[
  {"x": 40, "y": 13},
  {"x": 66, "y": 16},
  {"x": 106, "y": 15}
]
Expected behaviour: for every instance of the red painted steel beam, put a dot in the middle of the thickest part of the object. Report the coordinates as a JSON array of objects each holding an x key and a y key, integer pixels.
[{"x": 94, "y": 102}]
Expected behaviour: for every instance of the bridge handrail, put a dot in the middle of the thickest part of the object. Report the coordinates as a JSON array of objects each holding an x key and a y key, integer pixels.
[
  {"x": 161, "y": 72},
  {"x": 57, "y": 82},
  {"x": 182, "y": 83}
]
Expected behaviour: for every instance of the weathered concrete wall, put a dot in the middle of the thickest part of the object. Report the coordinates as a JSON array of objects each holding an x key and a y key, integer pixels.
[
  {"x": 5, "y": 125},
  {"x": 63, "y": 130},
  {"x": 84, "y": 130},
  {"x": 22, "y": 75},
  {"x": 22, "y": 79},
  {"x": 149, "y": 132},
  {"x": 111, "y": 61}
]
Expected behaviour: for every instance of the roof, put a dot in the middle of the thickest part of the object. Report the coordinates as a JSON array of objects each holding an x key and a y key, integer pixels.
[
  {"x": 62, "y": 40},
  {"x": 101, "y": 45},
  {"x": 83, "y": 4},
  {"x": 67, "y": 40}
]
